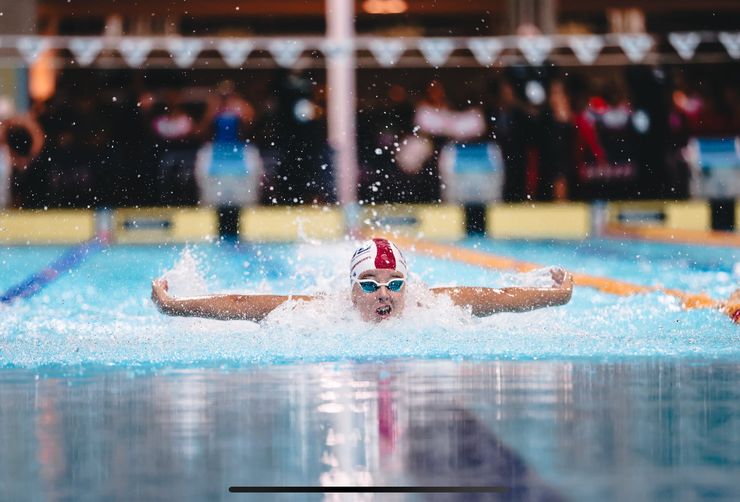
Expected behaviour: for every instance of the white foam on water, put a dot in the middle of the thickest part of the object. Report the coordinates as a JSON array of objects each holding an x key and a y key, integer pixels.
[
  {"x": 188, "y": 276},
  {"x": 75, "y": 328}
]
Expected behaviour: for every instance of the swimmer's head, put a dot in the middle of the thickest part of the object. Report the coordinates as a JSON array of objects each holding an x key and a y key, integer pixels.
[
  {"x": 377, "y": 254},
  {"x": 378, "y": 275}
]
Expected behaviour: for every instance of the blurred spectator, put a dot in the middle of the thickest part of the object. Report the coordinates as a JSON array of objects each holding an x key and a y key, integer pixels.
[
  {"x": 470, "y": 164},
  {"x": 530, "y": 84},
  {"x": 557, "y": 137},
  {"x": 382, "y": 125},
  {"x": 173, "y": 133},
  {"x": 731, "y": 98},
  {"x": 21, "y": 140},
  {"x": 650, "y": 138},
  {"x": 228, "y": 169},
  {"x": 710, "y": 110},
  {"x": 605, "y": 143},
  {"x": 418, "y": 157},
  {"x": 588, "y": 151},
  {"x": 72, "y": 155},
  {"x": 303, "y": 171},
  {"x": 613, "y": 118},
  {"x": 511, "y": 129}
]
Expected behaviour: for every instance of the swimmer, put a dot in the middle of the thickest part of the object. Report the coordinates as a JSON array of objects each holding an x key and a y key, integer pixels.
[
  {"x": 732, "y": 306},
  {"x": 378, "y": 275}
]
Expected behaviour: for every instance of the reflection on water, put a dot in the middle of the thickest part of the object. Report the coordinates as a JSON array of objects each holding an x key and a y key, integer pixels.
[{"x": 544, "y": 430}]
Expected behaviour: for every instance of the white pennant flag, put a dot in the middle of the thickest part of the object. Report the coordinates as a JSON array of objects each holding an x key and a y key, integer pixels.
[
  {"x": 135, "y": 50},
  {"x": 635, "y": 46},
  {"x": 184, "y": 50},
  {"x": 32, "y": 47},
  {"x": 286, "y": 52},
  {"x": 535, "y": 48},
  {"x": 86, "y": 49},
  {"x": 731, "y": 41},
  {"x": 436, "y": 51},
  {"x": 485, "y": 50},
  {"x": 387, "y": 51},
  {"x": 235, "y": 51},
  {"x": 685, "y": 43},
  {"x": 586, "y": 47}
]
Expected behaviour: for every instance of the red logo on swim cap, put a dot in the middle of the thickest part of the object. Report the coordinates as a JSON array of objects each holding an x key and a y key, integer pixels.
[{"x": 385, "y": 257}]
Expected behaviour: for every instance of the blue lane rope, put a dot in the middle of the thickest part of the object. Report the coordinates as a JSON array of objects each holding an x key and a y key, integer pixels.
[{"x": 66, "y": 262}]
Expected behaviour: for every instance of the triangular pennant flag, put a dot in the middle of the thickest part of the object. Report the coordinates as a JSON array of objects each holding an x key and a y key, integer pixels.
[
  {"x": 685, "y": 43},
  {"x": 535, "y": 48},
  {"x": 31, "y": 48},
  {"x": 185, "y": 50},
  {"x": 387, "y": 51},
  {"x": 235, "y": 51},
  {"x": 635, "y": 46},
  {"x": 485, "y": 50},
  {"x": 85, "y": 49},
  {"x": 135, "y": 50},
  {"x": 731, "y": 41},
  {"x": 436, "y": 50},
  {"x": 286, "y": 52},
  {"x": 586, "y": 47}
]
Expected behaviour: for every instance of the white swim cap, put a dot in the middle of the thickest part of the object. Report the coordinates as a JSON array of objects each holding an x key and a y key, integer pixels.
[{"x": 376, "y": 254}]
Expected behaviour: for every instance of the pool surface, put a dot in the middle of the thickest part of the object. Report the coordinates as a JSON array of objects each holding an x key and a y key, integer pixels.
[{"x": 613, "y": 398}]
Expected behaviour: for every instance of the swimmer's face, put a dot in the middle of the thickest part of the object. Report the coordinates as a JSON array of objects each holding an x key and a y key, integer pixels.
[{"x": 382, "y": 303}]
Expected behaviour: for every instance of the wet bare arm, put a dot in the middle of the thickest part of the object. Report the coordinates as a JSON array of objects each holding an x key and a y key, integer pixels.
[
  {"x": 487, "y": 301},
  {"x": 222, "y": 307}
]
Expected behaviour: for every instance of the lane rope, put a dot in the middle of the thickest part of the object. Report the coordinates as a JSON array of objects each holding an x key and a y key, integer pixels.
[
  {"x": 69, "y": 260},
  {"x": 673, "y": 235},
  {"x": 612, "y": 286}
]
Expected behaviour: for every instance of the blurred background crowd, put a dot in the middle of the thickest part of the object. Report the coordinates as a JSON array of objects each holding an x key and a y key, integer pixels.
[
  {"x": 112, "y": 137},
  {"x": 562, "y": 136}
]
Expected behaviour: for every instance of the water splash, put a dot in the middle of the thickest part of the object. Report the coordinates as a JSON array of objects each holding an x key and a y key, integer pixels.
[
  {"x": 112, "y": 321},
  {"x": 188, "y": 276}
]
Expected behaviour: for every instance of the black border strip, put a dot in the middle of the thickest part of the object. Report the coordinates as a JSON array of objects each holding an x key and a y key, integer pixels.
[{"x": 368, "y": 489}]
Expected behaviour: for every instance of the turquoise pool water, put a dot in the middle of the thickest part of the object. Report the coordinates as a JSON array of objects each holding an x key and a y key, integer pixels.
[{"x": 605, "y": 398}]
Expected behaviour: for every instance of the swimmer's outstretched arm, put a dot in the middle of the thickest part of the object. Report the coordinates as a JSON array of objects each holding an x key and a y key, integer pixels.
[
  {"x": 223, "y": 307},
  {"x": 487, "y": 301}
]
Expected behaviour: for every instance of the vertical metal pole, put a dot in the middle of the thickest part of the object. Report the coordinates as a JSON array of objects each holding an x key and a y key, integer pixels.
[
  {"x": 541, "y": 13},
  {"x": 548, "y": 16},
  {"x": 341, "y": 96}
]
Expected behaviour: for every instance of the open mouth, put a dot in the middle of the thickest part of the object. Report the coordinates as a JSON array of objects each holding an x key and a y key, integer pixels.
[{"x": 383, "y": 311}]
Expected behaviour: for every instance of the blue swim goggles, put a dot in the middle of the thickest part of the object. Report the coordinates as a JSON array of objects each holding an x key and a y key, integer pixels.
[{"x": 371, "y": 285}]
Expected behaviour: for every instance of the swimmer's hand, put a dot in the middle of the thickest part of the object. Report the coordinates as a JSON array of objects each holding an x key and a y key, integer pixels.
[
  {"x": 161, "y": 296},
  {"x": 562, "y": 280}
]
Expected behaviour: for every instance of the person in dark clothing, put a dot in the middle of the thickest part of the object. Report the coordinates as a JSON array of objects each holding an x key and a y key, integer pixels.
[
  {"x": 173, "y": 131},
  {"x": 303, "y": 169},
  {"x": 510, "y": 128},
  {"x": 21, "y": 141},
  {"x": 382, "y": 126},
  {"x": 557, "y": 141}
]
